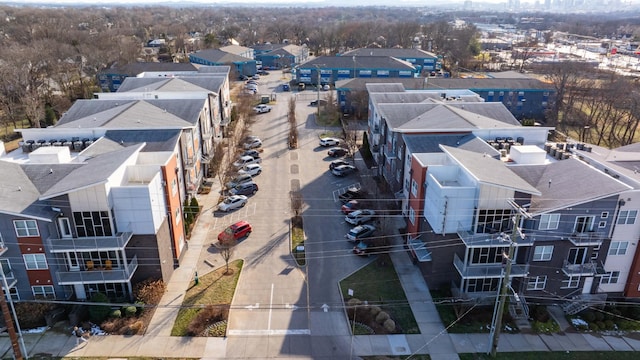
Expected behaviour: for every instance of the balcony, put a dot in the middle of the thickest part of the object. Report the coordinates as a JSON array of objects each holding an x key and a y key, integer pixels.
[
  {"x": 61, "y": 245},
  {"x": 419, "y": 248},
  {"x": 481, "y": 297},
  {"x": 98, "y": 276},
  {"x": 390, "y": 152},
  {"x": 587, "y": 269},
  {"x": 472, "y": 239},
  {"x": 492, "y": 270},
  {"x": 189, "y": 162},
  {"x": 3, "y": 248},
  {"x": 591, "y": 238}
]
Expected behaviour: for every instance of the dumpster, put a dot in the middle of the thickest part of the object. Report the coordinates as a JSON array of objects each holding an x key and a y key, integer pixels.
[{"x": 265, "y": 99}]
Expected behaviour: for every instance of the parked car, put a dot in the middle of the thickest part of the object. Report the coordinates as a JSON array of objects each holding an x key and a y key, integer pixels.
[
  {"x": 254, "y": 153},
  {"x": 336, "y": 163},
  {"x": 285, "y": 87},
  {"x": 361, "y": 231},
  {"x": 337, "y": 152},
  {"x": 361, "y": 248},
  {"x": 343, "y": 170},
  {"x": 251, "y": 81},
  {"x": 252, "y": 144},
  {"x": 326, "y": 87},
  {"x": 329, "y": 141},
  {"x": 251, "y": 170},
  {"x": 246, "y": 160},
  {"x": 256, "y": 77},
  {"x": 235, "y": 232},
  {"x": 350, "y": 206},
  {"x": 248, "y": 188},
  {"x": 262, "y": 108},
  {"x": 251, "y": 87},
  {"x": 250, "y": 91},
  {"x": 360, "y": 216},
  {"x": 351, "y": 193},
  {"x": 232, "y": 202},
  {"x": 263, "y": 72},
  {"x": 249, "y": 138},
  {"x": 243, "y": 77},
  {"x": 238, "y": 179},
  {"x": 316, "y": 102}
]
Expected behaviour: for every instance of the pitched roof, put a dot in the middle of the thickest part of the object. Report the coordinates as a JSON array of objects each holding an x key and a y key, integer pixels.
[
  {"x": 236, "y": 49},
  {"x": 182, "y": 83},
  {"x": 134, "y": 69},
  {"x": 361, "y": 83},
  {"x": 489, "y": 170},
  {"x": 267, "y": 47},
  {"x": 95, "y": 171},
  {"x": 565, "y": 183},
  {"x": 365, "y": 62},
  {"x": 506, "y": 84},
  {"x": 429, "y": 143},
  {"x": 219, "y": 56},
  {"x": 155, "y": 140},
  {"x": 385, "y": 87},
  {"x": 18, "y": 194},
  {"x": 132, "y": 114},
  {"x": 395, "y": 52}
]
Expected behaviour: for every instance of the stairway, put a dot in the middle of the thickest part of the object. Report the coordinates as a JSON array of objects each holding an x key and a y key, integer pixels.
[{"x": 581, "y": 302}]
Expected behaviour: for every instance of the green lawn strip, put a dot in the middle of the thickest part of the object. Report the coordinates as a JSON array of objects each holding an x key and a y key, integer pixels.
[
  {"x": 326, "y": 119},
  {"x": 573, "y": 355},
  {"x": 214, "y": 288},
  {"x": 297, "y": 238},
  {"x": 383, "y": 357},
  {"x": 379, "y": 285}
]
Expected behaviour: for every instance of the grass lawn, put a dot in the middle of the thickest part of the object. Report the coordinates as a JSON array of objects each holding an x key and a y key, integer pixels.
[
  {"x": 379, "y": 285},
  {"x": 326, "y": 119},
  {"x": 576, "y": 355},
  {"x": 213, "y": 288}
]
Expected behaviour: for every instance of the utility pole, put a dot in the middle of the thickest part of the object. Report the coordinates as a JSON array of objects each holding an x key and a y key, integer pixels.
[
  {"x": 318, "y": 90},
  {"x": 8, "y": 320},
  {"x": 496, "y": 325}
]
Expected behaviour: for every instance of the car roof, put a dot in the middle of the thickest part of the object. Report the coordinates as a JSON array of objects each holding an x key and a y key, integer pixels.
[
  {"x": 239, "y": 224},
  {"x": 246, "y": 157}
]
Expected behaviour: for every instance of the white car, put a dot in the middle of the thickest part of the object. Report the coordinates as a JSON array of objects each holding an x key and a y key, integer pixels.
[
  {"x": 329, "y": 142},
  {"x": 232, "y": 202},
  {"x": 262, "y": 108},
  {"x": 246, "y": 160},
  {"x": 255, "y": 143},
  {"x": 251, "y": 170},
  {"x": 360, "y": 216},
  {"x": 239, "y": 179}
]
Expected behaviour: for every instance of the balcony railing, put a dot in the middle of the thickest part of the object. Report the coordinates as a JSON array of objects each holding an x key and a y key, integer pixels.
[
  {"x": 588, "y": 238},
  {"x": 189, "y": 161},
  {"x": 390, "y": 152},
  {"x": 118, "y": 242},
  {"x": 587, "y": 269},
  {"x": 492, "y": 270},
  {"x": 472, "y": 239},
  {"x": 479, "y": 296},
  {"x": 98, "y": 276},
  {"x": 3, "y": 247},
  {"x": 419, "y": 248}
]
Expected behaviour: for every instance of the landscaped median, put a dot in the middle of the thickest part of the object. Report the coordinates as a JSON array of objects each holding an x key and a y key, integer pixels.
[
  {"x": 375, "y": 300},
  {"x": 205, "y": 308}
]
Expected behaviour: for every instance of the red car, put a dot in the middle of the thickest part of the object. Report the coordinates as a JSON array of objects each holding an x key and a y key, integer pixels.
[
  {"x": 235, "y": 232},
  {"x": 350, "y": 206}
]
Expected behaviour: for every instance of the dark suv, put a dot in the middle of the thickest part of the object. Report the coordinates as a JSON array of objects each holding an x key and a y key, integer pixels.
[{"x": 248, "y": 188}]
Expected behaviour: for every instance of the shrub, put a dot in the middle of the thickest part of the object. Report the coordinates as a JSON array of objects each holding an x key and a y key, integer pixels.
[
  {"x": 539, "y": 313},
  {"x": 135, "y": 328},
  {"x": 194, "y": 207},
  {"x": 599, "y": 316},
  {"x": 382, "y": 317},
  {"x": 375, "y": 310},
  {"x": 609, "y": 325},
  {"x": 601, "y": 325},
  {"x": 115, "y": 314},
  {"x": 149, "y": 291},
  {"x": 206, "y": 317},
  {"x": 354, "y": 302},
  {"x": 593, "y": 326},
  {"x": 389, "y": 325},
  {"x": 547, "y": 327},
  {"x": 32, "y": 315},
  {"x": 97, "y": 313},
  {"x": 130, "y": 311},
  {"x": 588, "y": 316}
]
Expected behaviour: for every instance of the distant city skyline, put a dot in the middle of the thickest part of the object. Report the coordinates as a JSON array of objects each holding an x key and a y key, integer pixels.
[{"x": 345, "y": 3}]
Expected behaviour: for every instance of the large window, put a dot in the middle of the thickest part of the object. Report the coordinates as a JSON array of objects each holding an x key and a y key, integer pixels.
[
  {"x": 543, "y": 253},
  {"x": 537, "y": 283},
  {"x": 6, "y": 268},
  {"x": 627, "y": 217},
  {"x": 487, "y": 255},
  {"x": 43, "y": 292},
  {"x": 610, "y": 277},
  {"x": 618, "y": 247},
  {"x": 92, "y": 223},
  {"x": 549, "y": 221},
  {"x": 584, "y": 224},
  {"x": 571, "y": 282},
  {"x": 482, "y": 285},
  {"x": 35, "y": 261},
  {"x": 26, "y": 228},
  {"x": 494, "y": 220},
  {"x": 412, "y": 215}
]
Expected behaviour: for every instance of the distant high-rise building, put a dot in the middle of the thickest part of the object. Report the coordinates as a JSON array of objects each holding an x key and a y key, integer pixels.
[
  {"x": 467, "y": 5},
  {"x": 547, "y": 4}
]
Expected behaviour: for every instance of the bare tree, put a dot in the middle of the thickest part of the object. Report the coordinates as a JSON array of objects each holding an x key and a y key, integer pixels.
[{"x": 226, "y": 247}]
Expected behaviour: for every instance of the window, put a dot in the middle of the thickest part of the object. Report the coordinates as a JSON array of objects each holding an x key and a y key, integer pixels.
[
  {"x": 92, "y": 223},
  {"x": 35, "y": 261},
  {"x": 571, "y": 282},
  {"x": 174, "y": 187},
  {"x": 412, "y": 215},
  {"x": 549, "y": 221},
  {"x": 6, "y": 268},
  {"x": 494, "y": 220},
  {"x": 602, "y": 224},
  {"x": 414, "y": 188},
  {"x": 65, "y": 227},
  {"x": 13, "y": 293},
  {"x": 43, "y": 292},
  {"x": 482, "y": 285},
  {"x": 543, "y": 253},
  {"x": 618, "y": 247},
  {"x": 584, "y": 224},
  {"x": 488, "y": 255},
  {"x": 604, "y": 215},
  {"x": 627, "y": 217},
  {"x": 610, "y": 277},
  {"x": 26, "y": 228},
  {"x": 178, "y": 216},
  {"x": 537, "y": 283}
]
